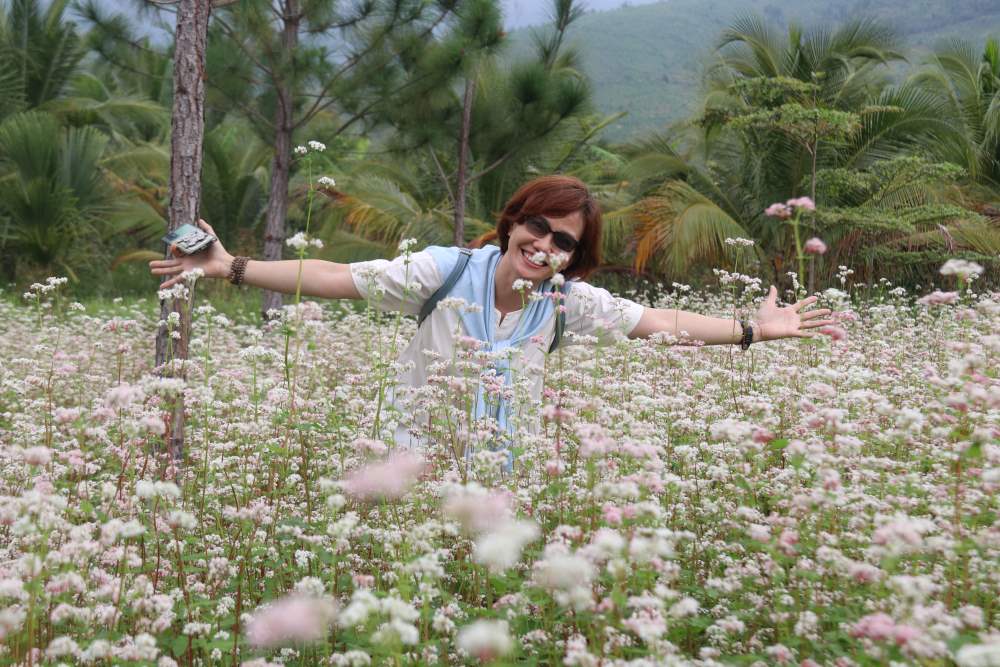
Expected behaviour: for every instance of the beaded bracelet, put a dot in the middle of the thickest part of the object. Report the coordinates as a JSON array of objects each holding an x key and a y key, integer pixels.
[{"x": 237, "y": 269}]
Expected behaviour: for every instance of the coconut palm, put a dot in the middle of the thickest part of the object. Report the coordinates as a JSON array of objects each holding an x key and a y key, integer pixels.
[
  {"x": 967, "y": 85},
  {"x": 754, "y": 143}
]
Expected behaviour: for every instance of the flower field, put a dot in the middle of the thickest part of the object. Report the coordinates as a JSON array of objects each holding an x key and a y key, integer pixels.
[{"x": 831, "y": 501}]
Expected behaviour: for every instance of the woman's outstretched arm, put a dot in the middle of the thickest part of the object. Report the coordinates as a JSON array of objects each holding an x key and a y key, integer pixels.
[
  {"x": 770, "y": 323},
  {"x": 319, "y": 278}
]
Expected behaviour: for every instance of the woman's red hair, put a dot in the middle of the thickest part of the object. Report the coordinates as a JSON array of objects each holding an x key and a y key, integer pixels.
[{"x": 557, "y": 197}]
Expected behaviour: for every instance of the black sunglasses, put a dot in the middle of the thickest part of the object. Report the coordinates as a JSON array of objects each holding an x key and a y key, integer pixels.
[{"x": 539, "y": 227}]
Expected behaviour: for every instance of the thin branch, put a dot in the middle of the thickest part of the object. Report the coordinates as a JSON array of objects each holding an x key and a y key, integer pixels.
[{"x": 440, "y": 170}]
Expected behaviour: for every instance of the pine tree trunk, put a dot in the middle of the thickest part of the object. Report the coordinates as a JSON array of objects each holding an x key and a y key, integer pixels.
[
  {"x": 187, "y": 131},
  {"x": 463, "y": 155},
  {"x": 277, "y": 203}
]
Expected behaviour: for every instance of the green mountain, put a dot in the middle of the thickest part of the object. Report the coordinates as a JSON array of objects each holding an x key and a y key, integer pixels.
[{"x": 648, "y": 60}]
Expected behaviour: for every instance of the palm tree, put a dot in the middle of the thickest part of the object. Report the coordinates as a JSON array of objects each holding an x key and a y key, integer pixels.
[
  {"x": 58, "y": 203},
  {"x": 967, "y": 86},
  {"x": 39, "y": 52},
  {"x": 760, "y": 138}
]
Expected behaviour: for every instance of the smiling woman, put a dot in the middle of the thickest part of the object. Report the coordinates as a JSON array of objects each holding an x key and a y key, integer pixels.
[{"x": 521, "y": 295}]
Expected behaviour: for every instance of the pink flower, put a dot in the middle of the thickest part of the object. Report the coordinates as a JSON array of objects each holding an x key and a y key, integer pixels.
[
  {"x": 390, "y": 479},
  {"x": 938, "y": 298},
  {"x": 293, "y": 619},
  {"x": 778, "y": 210},
  {"x": 815, "y": 246},
  {"x": 804, "y": 203},
  {"x": 878, "y": 626},
  {"x": 37, "y": 456},
  {"x": 904, "y": 634},
  {"x": 834, "y": 332}
]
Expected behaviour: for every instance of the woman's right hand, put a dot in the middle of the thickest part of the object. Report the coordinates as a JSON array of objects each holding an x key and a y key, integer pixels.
[{"x": 214, "y": 261}]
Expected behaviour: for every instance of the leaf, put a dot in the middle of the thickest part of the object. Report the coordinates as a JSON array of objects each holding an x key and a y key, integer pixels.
[{"x": 778, "y": 444}]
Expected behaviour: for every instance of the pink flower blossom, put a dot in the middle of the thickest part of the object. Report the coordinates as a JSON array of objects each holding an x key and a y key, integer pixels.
[
  {"x": 778, "y": 210},
  {"x": 834, "y": 332},
  {"x": 389, "y": 479},
  {"x": 938, "y": 298},
  {"x": 879, "y": 627},
  {"x": 293, "y": 619},
  {"x": 815, "y": 246},
  {"x": 37, "y": 456},
  {"x": 805, "y": 203}
]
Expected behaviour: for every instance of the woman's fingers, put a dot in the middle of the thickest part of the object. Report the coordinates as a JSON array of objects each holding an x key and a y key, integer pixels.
[
  {"x": 805, "y": 302},
  {"x": 166, "y": 270},
  {"x": 809, "y": 314}
]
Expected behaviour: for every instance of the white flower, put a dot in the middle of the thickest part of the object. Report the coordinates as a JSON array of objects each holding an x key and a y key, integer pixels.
[
  {"x": 300, "y": 150},
  {"x": 299, "y": 241},
  {"x": 316, "y": 243},
  {"x": 979, "y": 655},
  {"x": 521, "y": 285},
  {"x": 962, "y": 268},
  {"x": 558, "y": 280},
  {"x": 316, "y": 146},
  {"x": 406, "y": 244},
  {"x": 485, "y": 640},
  {"x": 327, "y": 182},
  {"x": 501, "y": 549}
]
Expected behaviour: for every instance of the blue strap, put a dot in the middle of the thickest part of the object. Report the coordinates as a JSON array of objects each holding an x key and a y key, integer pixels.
[
  {"x": 442, "y": 292},
  {"x": 456, "y": 273}
]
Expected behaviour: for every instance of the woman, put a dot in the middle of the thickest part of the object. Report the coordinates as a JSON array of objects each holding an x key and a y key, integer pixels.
[{"x": 551, "y": 223}]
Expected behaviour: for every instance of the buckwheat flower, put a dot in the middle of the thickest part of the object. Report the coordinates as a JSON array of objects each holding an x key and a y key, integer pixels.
[
  {"x": 501, "y": 549},
  {"x": 37, "y": 456},
  {"x": 293, "y": 619},
  {"x": 805, "y": 203},
  {"x": 395, "y": 631},
  {"x": 557, "y": 260},
  {"x": 684, "y": 608},
  {"x": 834, "y": 332},
  {"x": 979, "y": 655},
  {"x": 780, "y": 653},
  {"x": 181, "y": 520},
  {"x": 938, "y": 298},
  {"x": 300, "y": 150},
  {"x": 778, "y": 210},
  {"x": 878, "y": 626},
  {"x": 298, "y": 242},
  {"x": 316, "y": 243},
  {"x": 327, "y": 182},
  {"x": 406, "y": 244},
  {"x": 476, "y": 508},
  {"x": 962, "y": 268},
  {"x": 539, "y": 257},
  {"x": 814, "y": 246},
  {"x": 390, "y": 479},
  {"x": 62, "y": 646},
  {"x": 558, "y": 280},
  {"x": 521, "y": 285},
  {"x": 485, "y": 640},
  {"x": 317, "y": 146}
]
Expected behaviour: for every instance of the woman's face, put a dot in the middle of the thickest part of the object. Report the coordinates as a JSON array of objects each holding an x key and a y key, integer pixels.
[{"x": 523, "y": 245}]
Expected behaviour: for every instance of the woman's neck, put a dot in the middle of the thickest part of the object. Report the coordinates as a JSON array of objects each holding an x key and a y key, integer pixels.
[{"x": 505, "y": 298}]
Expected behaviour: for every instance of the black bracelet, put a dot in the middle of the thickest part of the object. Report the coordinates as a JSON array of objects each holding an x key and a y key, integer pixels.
[
  {"x": 237, "y": 269},
  {"x": 747, "y": 337}
]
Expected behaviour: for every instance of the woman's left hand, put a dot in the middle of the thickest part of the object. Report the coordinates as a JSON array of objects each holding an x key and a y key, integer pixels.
[{"x": 774, "y": 322}]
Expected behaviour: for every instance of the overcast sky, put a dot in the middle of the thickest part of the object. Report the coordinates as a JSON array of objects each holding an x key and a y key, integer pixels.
[{"x": 519, "y": 13}]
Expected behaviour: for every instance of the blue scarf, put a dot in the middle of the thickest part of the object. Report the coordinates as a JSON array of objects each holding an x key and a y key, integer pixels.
[{"x": 477, "y": 286}]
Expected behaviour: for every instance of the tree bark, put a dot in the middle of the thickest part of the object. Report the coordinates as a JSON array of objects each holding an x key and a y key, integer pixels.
[
  {"x": 277, "y": 202},
  {"x": 463, "y": 156},
  {"x": 187, "y": 131}
]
